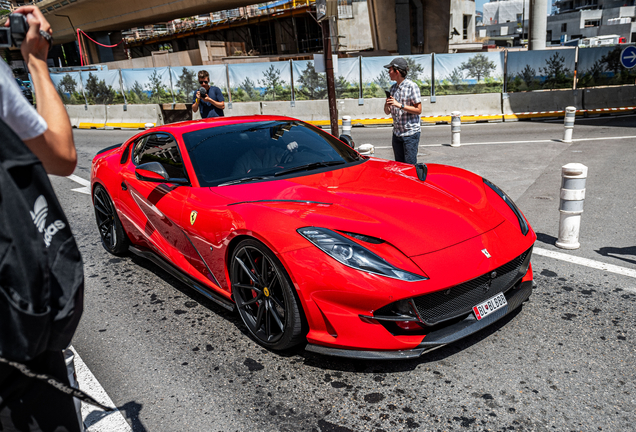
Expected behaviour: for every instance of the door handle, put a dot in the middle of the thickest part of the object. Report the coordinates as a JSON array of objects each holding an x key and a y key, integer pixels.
[{"x": 123, "y": 186}]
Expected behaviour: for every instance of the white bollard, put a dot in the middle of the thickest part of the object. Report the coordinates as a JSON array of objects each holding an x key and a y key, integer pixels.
[
  {"x": 568, "y": 123},
  {"x": 346, "y": 125},
  {"x": 456, "y": 127},
  {"x": 366, "y": 149},
  {"x": 149, "y": 125},
  {"x": 574, "y": 176}
]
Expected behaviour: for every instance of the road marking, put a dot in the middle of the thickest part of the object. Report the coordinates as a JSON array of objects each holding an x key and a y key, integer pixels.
[
  {"x": 624, "y": 271},
  {"x": 77, "y": 179},
  {"x": 522, "y": 142},
  {"x": 96, "y": 420}
]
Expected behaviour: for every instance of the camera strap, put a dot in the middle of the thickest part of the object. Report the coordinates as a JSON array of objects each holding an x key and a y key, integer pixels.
[{"x": 56, "y": 384}]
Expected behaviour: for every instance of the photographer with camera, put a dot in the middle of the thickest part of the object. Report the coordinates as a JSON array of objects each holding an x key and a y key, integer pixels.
[
  {"x": 41, "y": 277},
  {"x": 209, "y": 98}
]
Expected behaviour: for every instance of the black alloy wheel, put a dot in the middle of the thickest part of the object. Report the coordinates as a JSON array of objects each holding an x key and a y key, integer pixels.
[
  {"x": 264, "y": 297},
  {"x": 114, "y": 238}
]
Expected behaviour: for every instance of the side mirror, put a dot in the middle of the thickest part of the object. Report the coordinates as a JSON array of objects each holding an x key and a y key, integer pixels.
[
  {"x": 422, "y": 171},
  {"x": 156, "y": 173},
  {"x": 347, "y": 140}
]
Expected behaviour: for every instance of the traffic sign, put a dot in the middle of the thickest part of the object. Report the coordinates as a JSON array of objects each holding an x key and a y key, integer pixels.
[{"x": 628, "y": 57}]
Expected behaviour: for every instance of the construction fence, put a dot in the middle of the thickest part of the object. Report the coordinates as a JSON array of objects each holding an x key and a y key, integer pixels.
[{"x": 356, "y": 78}]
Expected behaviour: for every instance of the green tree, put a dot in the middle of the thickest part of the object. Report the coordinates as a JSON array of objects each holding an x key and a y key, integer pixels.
[
  {"x": 527, "y": 75},
  {"x": 478, "y": 66},
  {"x": 612, "y": 60},
  {"x": 554, "y": 71},
  {"x": 457, "y": 76},
  {"x": 313, "y": 85},
  {"x": 68, "y": 84},
  {"x": 186, "y": 84},
  {"x": 383, "y": 80},
  {"x": 98, "y": 92},
  {"x": 272, "y": 82},
  {"x": 249, "y": 88},
  {"x": 137, "y": 94},
  {"x": 415, "y": 69}
]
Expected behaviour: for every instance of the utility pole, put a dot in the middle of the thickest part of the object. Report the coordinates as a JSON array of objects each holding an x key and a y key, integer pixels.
[{"x": 331, "y": 85}]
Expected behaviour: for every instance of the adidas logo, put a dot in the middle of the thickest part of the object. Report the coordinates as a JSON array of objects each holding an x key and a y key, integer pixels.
[{"x": 39, "y": 214}]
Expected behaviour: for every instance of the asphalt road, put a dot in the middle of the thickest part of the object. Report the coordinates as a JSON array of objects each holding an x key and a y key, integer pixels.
[{"x": 174, "y": 361}]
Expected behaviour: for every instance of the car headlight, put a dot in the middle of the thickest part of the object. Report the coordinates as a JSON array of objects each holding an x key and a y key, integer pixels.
[
  {"x": 353, "y": 255},
  {"x": 522, "y": 221}
]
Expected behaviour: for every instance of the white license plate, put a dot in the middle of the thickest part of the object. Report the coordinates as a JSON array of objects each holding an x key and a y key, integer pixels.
[{"x": 489, "y": 306}]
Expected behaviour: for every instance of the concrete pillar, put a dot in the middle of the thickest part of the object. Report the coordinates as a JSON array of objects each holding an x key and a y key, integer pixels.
[
  {"x": 403, "y": 24},
  {"x": 538, "y": 24},
  {"x": 436, "y": 25}
]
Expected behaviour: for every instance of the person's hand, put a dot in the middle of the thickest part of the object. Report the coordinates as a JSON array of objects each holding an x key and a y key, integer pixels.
[
  {"x": 292, "y": 146},
  {"x": 198, "y": 96},
  {"x": 34, "y": 44},
  {"x": 392, "y": 102}
]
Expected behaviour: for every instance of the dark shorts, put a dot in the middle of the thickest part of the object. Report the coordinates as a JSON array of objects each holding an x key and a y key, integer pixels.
[{"x": 27, "y": 404}]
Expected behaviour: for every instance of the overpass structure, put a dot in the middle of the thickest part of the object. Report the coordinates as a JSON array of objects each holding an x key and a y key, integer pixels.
[{"x": 397, "y": 26}]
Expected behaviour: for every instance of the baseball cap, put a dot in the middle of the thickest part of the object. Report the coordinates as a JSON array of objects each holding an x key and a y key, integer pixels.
[{"x": 398, "y": 63}]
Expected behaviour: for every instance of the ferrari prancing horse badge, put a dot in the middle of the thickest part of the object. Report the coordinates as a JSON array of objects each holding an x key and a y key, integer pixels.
[{"x": 193, "y": 217}]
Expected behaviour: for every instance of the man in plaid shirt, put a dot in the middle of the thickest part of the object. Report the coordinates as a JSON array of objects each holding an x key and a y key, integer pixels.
[{"x": 405, "y": 106}]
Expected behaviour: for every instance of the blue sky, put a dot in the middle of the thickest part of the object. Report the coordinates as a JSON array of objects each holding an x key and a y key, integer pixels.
[{"x": 479, "y": 4}]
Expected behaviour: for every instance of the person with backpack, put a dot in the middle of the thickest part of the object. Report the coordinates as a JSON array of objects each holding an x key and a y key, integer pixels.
[{"x": 41, "y": 270}]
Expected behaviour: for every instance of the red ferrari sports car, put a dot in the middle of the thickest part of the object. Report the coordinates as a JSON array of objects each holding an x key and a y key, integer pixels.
[{"x": 312, "y": 242}]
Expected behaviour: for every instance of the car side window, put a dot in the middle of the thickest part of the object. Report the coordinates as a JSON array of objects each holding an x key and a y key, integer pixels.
[{"x": 160, "y": 148}]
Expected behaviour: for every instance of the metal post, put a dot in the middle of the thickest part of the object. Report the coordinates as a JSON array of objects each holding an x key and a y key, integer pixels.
[
  {"x": 433, "y": 78},
  {"x": 346, "y": 125},
  {"x": 331, "y": 87},
  {"x": 227, "y": 81},
  {"x": 83, "y": 92},
  {"x": 568, "y": 124},
  {"x": 123, "y": 92},
  {"x": 360, "y": 92},
  {"x": 171, "y": 89},
  {"x": 292, "y": 103},
  {"x": 538, "y": 24},
  {"x": 574, "y": 176},
  {"x": 456, "y": 127}
]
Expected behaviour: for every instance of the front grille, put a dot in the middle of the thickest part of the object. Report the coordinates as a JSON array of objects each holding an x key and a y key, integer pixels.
[{"x": 460, "y": 299}]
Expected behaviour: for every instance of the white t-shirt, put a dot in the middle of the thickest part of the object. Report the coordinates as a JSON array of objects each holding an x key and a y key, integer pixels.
[{"x": 15, "y": 109}]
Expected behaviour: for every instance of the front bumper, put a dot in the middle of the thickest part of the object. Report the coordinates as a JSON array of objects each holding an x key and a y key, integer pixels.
[{"x": 437, "y": 338}]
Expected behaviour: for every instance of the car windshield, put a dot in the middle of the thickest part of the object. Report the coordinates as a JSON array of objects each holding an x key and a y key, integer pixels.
[{"x": 246, "y": 152}]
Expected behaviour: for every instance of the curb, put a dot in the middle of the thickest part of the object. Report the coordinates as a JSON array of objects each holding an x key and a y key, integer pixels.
[{"x": 491, "y": 118}]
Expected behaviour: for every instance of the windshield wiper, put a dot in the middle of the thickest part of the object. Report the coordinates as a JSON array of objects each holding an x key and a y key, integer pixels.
[
  {"x": 244, "y": 180},
  {"x": 306, "y": 167}
]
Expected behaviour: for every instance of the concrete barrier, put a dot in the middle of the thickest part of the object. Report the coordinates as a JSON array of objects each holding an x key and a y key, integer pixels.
[
  {"x": 74, "y": 113},
  {"x": 92, "y": 117},
  {"x": 134, "y": 117},
  {"x": 243, "y": 109},
  {"x": 303, "y": 110},
  {"x": 540, "y": 103},
  {"x": 474, "y": 107},
  {"x": 609, "y": 97}
]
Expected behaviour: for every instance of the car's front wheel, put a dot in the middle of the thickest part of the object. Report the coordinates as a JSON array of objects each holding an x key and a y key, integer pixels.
[
  {"x": 114, "y": 238},
  {"x": 264, "y": 297}
]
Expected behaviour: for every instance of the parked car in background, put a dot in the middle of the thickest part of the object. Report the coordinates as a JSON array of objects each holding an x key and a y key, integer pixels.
[{"x": 26, "y": 90}]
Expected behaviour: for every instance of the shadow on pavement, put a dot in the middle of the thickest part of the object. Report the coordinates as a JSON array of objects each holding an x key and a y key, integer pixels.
[{"x": 612, "y": 252}]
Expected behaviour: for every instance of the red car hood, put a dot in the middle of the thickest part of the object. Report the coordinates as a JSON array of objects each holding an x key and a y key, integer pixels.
[{"x": 382, "y": 199}]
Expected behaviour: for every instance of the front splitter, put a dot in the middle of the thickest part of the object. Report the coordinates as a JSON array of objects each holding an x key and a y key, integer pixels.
[{"x": 438, "y": 338}]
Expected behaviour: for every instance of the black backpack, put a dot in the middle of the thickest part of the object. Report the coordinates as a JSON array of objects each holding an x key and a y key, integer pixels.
[{"x": 41, "y": 270}]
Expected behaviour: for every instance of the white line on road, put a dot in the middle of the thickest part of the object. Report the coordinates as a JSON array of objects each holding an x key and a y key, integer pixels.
[
  {"x": 77, "y": 179},
  {"x": 96, "y": 420},
  {"x": 522, "y": 142},
  {"x": 588, "y": 263}
]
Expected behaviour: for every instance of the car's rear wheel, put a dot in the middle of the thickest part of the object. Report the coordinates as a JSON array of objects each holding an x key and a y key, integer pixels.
[
  {"x": 114, "y": 238},
  {"x": 264, "y": 297}
]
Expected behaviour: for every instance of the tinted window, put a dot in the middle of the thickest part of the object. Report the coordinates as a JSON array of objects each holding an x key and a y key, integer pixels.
[
  {"x": 226, "y": 153},
  {"x": 160, "y": 148}
]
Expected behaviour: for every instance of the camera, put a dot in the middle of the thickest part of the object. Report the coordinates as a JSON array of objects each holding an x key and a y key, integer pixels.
[{"x": 15, "y": 33}]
